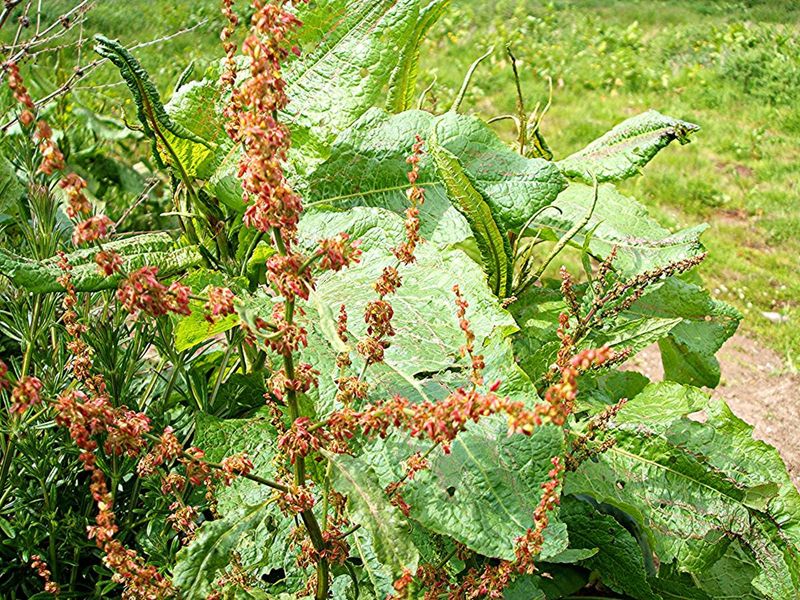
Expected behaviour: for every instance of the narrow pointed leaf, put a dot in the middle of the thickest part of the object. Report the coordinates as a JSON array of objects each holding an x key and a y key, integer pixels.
[
  {"x": 492, "y": 242},
  {"x": 402, "y": 83},
  {"x": 156, "y": 122}
]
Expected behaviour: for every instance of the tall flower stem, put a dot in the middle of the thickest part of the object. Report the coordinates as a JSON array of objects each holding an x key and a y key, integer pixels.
[{"x": 309, "y": 519}]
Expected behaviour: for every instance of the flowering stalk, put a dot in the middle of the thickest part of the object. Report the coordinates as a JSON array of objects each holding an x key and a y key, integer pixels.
[{"x": 273, "y": 208}]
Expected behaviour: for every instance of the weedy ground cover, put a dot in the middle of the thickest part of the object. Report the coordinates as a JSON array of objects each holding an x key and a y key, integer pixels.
[{"x": 298, "y": 324}]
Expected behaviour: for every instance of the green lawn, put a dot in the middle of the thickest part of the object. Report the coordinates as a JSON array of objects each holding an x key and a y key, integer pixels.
[{"x": 731, "y": 67}]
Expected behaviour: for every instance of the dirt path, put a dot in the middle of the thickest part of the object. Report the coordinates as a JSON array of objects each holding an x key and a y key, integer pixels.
[{"x": 758, "y": 388}]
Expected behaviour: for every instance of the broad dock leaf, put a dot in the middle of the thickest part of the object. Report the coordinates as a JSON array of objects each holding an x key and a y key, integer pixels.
[
  {"x": 628, "y": 147},
  {"x": 618, "y": 220},
  {"x": 679, "y": 480}
]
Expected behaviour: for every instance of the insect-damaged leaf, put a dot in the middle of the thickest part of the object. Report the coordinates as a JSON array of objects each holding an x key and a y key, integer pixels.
[{"x": 692, "y": 496}]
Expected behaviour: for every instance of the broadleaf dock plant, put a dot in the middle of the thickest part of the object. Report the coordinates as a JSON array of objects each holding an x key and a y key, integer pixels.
[{"x": 349, "y": 372}]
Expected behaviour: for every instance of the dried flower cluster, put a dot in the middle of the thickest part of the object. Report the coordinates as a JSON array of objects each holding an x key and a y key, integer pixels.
[
  {"x": 141, "y": 291},
  {"x": 252, "y": 119},
  {"x": 416, "y": 196},
  {"x": 219, "y": 304},
  {"x": 560, "y": 397},
  {"x": 90, "y": 417},
  {"x": 25, "y": 393},
  {"x": 609, "y": 299},
  {"x": 468, "y": 349},
  {"x": 42, "y": 570},
  {"x": 585, "y": 445},
  {"x": 20, "y": 92},
  {"x": 92, "y": 229},
  {"x": 52, "y": 161}
]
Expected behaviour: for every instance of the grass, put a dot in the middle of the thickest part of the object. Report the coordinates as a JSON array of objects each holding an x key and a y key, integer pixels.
[{"x": 731, "y": 67}]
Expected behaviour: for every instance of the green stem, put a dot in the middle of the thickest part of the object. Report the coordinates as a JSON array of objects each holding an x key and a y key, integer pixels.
[
  {"x": 222, "y": 368},
  {"x": 134, "y": 498},
  {"x": 252, "y": 248},
  {"x": 51, "y": 545},
  {"x": 522, "y": 118},
  {"x": 26, "y": 359},
  {"x": 561, "y": 244},
  {"x": 467, "y": 78},
  {"x": 11, "y": 449}
]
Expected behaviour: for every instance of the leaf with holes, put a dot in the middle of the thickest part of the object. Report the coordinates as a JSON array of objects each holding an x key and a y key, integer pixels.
[{"x": 679, "y": 480}]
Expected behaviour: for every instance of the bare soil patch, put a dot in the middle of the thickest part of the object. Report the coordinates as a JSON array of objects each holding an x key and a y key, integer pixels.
[{"x": 759, "y": 389}]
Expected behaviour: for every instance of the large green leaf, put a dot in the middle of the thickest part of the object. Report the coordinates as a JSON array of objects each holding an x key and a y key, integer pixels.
[
  {"x": 423, "y": 359},
  {"x": 222, "y": 437},
  {"x": 378, "y": 575},
  {"x": 422, "y": 363},
  {"x": 266, "y": 545},
  {"x": 483, "y": 493},
  {"x": 367, "y": 167},
  {"x": 194, "y": 328},
  {"x": 625, "y": 149},
  {"x": 679, "y": 479},
  {"x": 617, "y": 220},
  {"x": 515, "y": 187},
  {"x": 199, "y": 564},
  {"x": 350, "y": 52},
  {"x": 704, "y": 324},
  {"x": 369, "y": 506},
  {"x": 619, "y": 562},
  {"x": 155, "y": 249},
  {"x": 731, "y": 575}
]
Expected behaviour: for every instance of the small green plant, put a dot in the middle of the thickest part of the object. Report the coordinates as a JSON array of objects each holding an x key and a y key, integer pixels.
[{"x": 349, "y": 373}]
